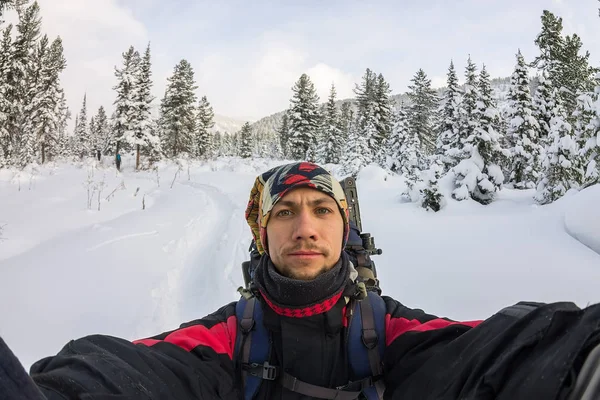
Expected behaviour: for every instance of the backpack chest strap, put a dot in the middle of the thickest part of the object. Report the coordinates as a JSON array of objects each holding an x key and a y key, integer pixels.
[{"x": 365, "y": 347}]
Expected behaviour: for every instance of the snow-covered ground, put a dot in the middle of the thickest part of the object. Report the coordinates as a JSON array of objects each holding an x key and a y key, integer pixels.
[{"x": 67, "y": 271}]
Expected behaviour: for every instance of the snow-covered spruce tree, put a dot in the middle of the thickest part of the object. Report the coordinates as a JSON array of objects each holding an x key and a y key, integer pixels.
[
  {"x": 178, "y": 111},
  {"x": 587, "y": 135},
  {"x": 245, "y": 149},
  {"x": 396, "y": 140},
  {"x": 479, "y": 175},
  {"x": 5, "y": 90},
  {"x": 48, "y": 107},
  {"x": 23, "y": 48},
  {"x": 142, "y": 135},
  {"x": 561, "y": 165},
  {"x": 154, "y": 153},
  {"x": 356, "y": 154},
  {"x": 431, "y": 197},
  {"x": 522, "y": 131},
  {"x": 384, "y": 115},
  {"x": 411, "y": 157},
  {"x": 448, "y": 144},
  {"x": 61, "y": 148},
  {"x": 567, "y": 70},
  {"x": 284, "y": 134},
  {"x": 227, "y": 145},
  {"x": 333, "y": 137},
  {"x": 365, "y": 124},
  {"x": 126, "y": 101},
  {"x": 82, "y": 133},
  {"x": 420, "y": 113},
  {"x": 345, "y": 122},
  {"x": 101, "y": 132},
  {"x": 303, "y": 118},
  {"x": 468, "y": 121},
  {"x": 544, "y": 102},
  {"x": 217, "y": 144},
  {"x": 204, "y": 123}
]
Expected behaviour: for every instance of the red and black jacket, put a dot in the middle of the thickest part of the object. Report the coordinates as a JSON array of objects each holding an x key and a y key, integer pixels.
[{"x": 523, "y": 352}]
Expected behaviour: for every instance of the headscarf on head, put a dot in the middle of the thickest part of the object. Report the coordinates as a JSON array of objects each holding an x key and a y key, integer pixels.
[{"x": 272, "y": 185}]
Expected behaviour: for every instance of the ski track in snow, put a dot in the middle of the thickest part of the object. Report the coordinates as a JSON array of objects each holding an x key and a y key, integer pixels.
[
  {"x": 119, "y": 238},
  {"x": 205, "y": 257}
]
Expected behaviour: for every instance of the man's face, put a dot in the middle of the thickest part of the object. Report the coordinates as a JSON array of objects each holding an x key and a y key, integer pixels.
[{"x": 305, "y": 233}]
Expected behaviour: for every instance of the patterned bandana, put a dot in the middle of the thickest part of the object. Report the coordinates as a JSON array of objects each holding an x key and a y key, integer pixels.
[{"x": 272, "y": 185}]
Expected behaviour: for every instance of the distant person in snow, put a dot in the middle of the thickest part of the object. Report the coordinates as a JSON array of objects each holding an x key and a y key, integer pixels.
[
  {"x": 118, "y": 161},
  {"x": 98, "y": 154},
  {"x": 308, "y": 330}
]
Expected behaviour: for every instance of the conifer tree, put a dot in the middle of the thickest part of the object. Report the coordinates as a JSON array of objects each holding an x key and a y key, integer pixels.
[
  {"x": 544, "y": 102},
  {"x": 333, "y": 143},
  {"x": 126, "y": 110},
  {"x": 205, "y": 122},
  {"x": 356, "y": 151},
  {"x": 523, "y": 131},
  {"x": 178, "y": 111},
  {"x": 404, "y": 147},
  {"x": 346, "y": 118},
  {"x": 82, "y": 133},
  {"x": 448, "y": 144},
  {"x": 431, "y": 197},
  {"x": 303, "y": 118},
  {"x": 383, "y": 110},
  {"x": 45, "y": 106},
  {"x": 468, "y": 122},
  {"x": 284, "y": 134},
  {"x": 5, "y": 91},
  {"x": 420, "y": 115},
  {"x": 246, "y": 141},
  {"x": 142, "y": 135},
  {"x": 364, "y": 126},
  {"x": 28, "y": 31},
  {"x": 561, "y": 165},
  {"x": 479, "y": 175},
  {"x": 587, "y": 135},
  {"x": 61, "y": 146},
  {"x": 99, "y": 132},
  {"x": 567, "y": 70}
]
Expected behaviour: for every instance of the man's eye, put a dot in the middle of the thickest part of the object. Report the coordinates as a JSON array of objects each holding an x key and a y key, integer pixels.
[
  {"x": 323, "y": 211},
  {"x": 283, "y": 213}
]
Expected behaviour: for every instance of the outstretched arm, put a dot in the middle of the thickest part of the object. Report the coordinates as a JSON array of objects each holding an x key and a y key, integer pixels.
[
  {"x": 192, "y": 362},
  {"x": 529, "y": 350}
]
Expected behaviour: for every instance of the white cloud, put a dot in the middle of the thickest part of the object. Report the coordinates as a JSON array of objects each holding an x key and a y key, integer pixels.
[
  {"x": 323, "y": 76},
  {"x": 94, "y": 33}
]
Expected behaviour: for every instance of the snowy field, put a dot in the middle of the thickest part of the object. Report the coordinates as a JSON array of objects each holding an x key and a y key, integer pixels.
[{"x": 68, "y": 269}]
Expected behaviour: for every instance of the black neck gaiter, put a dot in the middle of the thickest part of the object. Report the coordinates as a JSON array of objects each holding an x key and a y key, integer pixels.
[{"x": 295, "y": 293}]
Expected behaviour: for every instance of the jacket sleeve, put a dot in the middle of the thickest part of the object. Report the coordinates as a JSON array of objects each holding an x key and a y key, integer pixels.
[
  {"x": 192, "y": 362},
  {"x": 525, "y": 351}
]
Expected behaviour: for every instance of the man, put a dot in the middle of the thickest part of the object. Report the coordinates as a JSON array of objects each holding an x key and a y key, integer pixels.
[{"x": 304, "y": 286}]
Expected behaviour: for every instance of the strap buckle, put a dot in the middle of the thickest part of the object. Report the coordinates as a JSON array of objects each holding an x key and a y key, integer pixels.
[{"x": 264, "y": 371}]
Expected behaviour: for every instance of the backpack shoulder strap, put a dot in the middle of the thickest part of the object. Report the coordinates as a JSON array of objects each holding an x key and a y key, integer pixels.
[
  {"x": 366, "y": 342},
  {"x": 252, "y": 346}
]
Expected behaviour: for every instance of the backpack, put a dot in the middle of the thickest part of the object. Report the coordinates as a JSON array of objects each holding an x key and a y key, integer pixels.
[
  {"x": 366, "y": 338},
  {"x": 365, "y": 348}
]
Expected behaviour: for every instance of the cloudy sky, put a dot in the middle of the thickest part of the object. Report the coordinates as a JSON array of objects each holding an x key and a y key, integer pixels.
[{"x": 247, "y": 54}]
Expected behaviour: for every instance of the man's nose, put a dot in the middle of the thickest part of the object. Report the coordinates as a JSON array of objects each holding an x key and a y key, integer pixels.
[{"x": 304, "y": 226}]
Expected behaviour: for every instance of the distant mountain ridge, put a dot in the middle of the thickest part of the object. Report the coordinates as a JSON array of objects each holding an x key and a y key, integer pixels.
[{"x": 268, "y": 125}]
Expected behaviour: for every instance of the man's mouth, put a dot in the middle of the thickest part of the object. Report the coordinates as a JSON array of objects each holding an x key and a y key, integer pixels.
[{"x": 305, "y": 254}]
